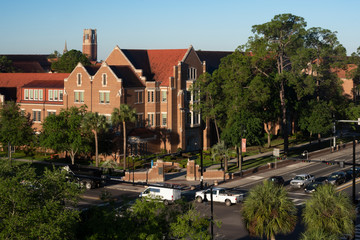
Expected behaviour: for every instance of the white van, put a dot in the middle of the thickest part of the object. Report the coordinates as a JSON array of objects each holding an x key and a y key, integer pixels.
[{"x": 167, "y": 195}]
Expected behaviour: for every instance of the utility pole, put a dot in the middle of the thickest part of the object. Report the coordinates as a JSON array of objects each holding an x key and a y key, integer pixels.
[
  {"x": 353, "y": 171},
  {"x": 212, "y": 213}
]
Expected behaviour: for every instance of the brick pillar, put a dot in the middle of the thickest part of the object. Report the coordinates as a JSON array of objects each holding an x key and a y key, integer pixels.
[{"x": 192, "y": 171}]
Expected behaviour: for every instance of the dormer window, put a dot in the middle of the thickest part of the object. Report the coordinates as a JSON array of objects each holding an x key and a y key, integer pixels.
[
  {"x": 104, "y": 80},
  {"x": 79, "y": 79}
]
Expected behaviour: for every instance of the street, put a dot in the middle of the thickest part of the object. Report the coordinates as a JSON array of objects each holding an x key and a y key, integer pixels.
[{"x": 232, "y": 226}]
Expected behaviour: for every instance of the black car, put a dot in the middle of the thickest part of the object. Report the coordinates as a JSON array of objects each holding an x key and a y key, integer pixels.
[
  {"x": 336, "y": 178},
  {"x": 278, "y": 180},
  {"x": 349, "y": 172},
  {"x": 310, "y": 188}
]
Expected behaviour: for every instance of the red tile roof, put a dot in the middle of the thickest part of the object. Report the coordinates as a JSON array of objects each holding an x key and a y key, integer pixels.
[
  {"x": 17, "y": 80},
  {"x": 45, "y": 84},
  {"x": 162, "y": 63},
  {"x": 157, "y": 65}
]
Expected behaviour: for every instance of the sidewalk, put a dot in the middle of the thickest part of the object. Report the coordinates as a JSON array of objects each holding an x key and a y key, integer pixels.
[{"x": 254, "y": 177}]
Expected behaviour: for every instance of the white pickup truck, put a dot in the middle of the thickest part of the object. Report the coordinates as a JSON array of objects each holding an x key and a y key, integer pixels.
[
  {"x": 219, "y": 195},
  {"x": 302, "y": 180}
]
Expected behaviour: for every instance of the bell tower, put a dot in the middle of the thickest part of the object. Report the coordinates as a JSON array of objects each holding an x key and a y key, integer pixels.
[{"x": 90, "y": 44}]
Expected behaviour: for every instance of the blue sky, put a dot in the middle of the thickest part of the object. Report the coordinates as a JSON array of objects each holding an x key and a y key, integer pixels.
[{"x": 40, "y": 27}]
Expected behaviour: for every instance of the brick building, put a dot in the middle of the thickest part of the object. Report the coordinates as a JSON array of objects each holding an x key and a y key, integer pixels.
[{"x": 154, "y": 82}]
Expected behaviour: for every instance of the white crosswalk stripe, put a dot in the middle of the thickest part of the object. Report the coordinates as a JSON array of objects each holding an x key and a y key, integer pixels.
[{"x": 357, "y": 232}]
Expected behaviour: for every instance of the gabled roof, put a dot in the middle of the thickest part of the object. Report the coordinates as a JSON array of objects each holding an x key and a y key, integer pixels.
[
  {"x": 162, "y": 63},
  {"x": 128, "y": 76},
  {"x": 157, "y": 65},
  {"x": 212, "y": 59}
]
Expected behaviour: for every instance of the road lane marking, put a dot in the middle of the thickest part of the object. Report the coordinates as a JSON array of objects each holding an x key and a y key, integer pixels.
[
  {"x": 346, "y": 185},
  {"x": 255, "y": 177}
]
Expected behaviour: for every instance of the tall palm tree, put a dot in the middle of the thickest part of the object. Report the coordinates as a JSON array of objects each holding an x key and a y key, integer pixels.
[
  {"x": 268, "y": 211},
  {"x": 222, "y": 151},
  {"x": 96, "y": 123},
  {"x": 330, "y": 212},
  {"x": 123, "y": 115}
]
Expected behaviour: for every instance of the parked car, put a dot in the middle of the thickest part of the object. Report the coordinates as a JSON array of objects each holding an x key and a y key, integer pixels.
[
  {"x": 336, "y": 178},
  {"x": 302, "y": 180},
  {"x": 219, "y": 195},
  {"x": 278, "y": 180},
  {"x": 310, "y": 188},
  {"x": 164, "y": 194}
]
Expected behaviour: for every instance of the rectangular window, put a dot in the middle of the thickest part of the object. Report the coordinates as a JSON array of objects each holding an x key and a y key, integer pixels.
[
  {"x": 150, "y": 119},
  {"x": 40, "y": 94},
  {"x": 81, "y": 97},
  {"x": 36, "y": 92},
  {"x": 56, "y": 95},
  {"x": 36, "y": 115},
  {"x": 139, "y": 97},
  {"x": 196, "y": 118},
  {"x": 101, "y": 96},
  {"x": 50, "y": 95},
  {"x": 79, "y": 79},
  {"x": 151, "y": 96},
  {"x": 157, "y": 119},
  {"x": 104, "y": 80},
  {"x": 78, "y": 97},
  {"x": 107, "y": 97},
  {"x": 192, "y": 73},
  {"x": 104, "y": 97},
  {"x": 31, "y": 93},
  {"x": 26, "y": 94},
  {"x": 163, "y": 96},
  {"x": 51, "y": 112},
  {"x": 61, "y": 95},
  {"x": 163, "y": 119}
]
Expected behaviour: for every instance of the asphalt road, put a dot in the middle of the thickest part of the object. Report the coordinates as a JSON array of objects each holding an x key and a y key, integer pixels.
[{"x": 232, "y": 227}]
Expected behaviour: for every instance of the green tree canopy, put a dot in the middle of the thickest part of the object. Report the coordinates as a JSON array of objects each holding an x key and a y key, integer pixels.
[
  {"x": 67, "y": 62},
  {"x": 64, "y": 132},
  {"x": 268, "y": 211},
  {"x": 330, "y": 212},
  {"x": 33, "y": 207},
  {"x": 6, "y": 65},
  {"x": 15, "y": 128}
]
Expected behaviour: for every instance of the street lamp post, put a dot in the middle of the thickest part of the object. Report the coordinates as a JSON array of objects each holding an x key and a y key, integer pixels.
[{"x": 306, "y": 153}]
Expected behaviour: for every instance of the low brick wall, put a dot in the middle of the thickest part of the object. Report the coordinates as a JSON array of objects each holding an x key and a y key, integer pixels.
[
  {"x": 193, "y": 173},
  {"x": 154, "y": 174}
]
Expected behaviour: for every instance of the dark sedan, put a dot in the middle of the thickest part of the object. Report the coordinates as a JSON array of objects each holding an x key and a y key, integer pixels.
[
  {"x": 310, "y": 188},
  {"x": 336, "y": 178},
  {"x": 278, "y": 180}
]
